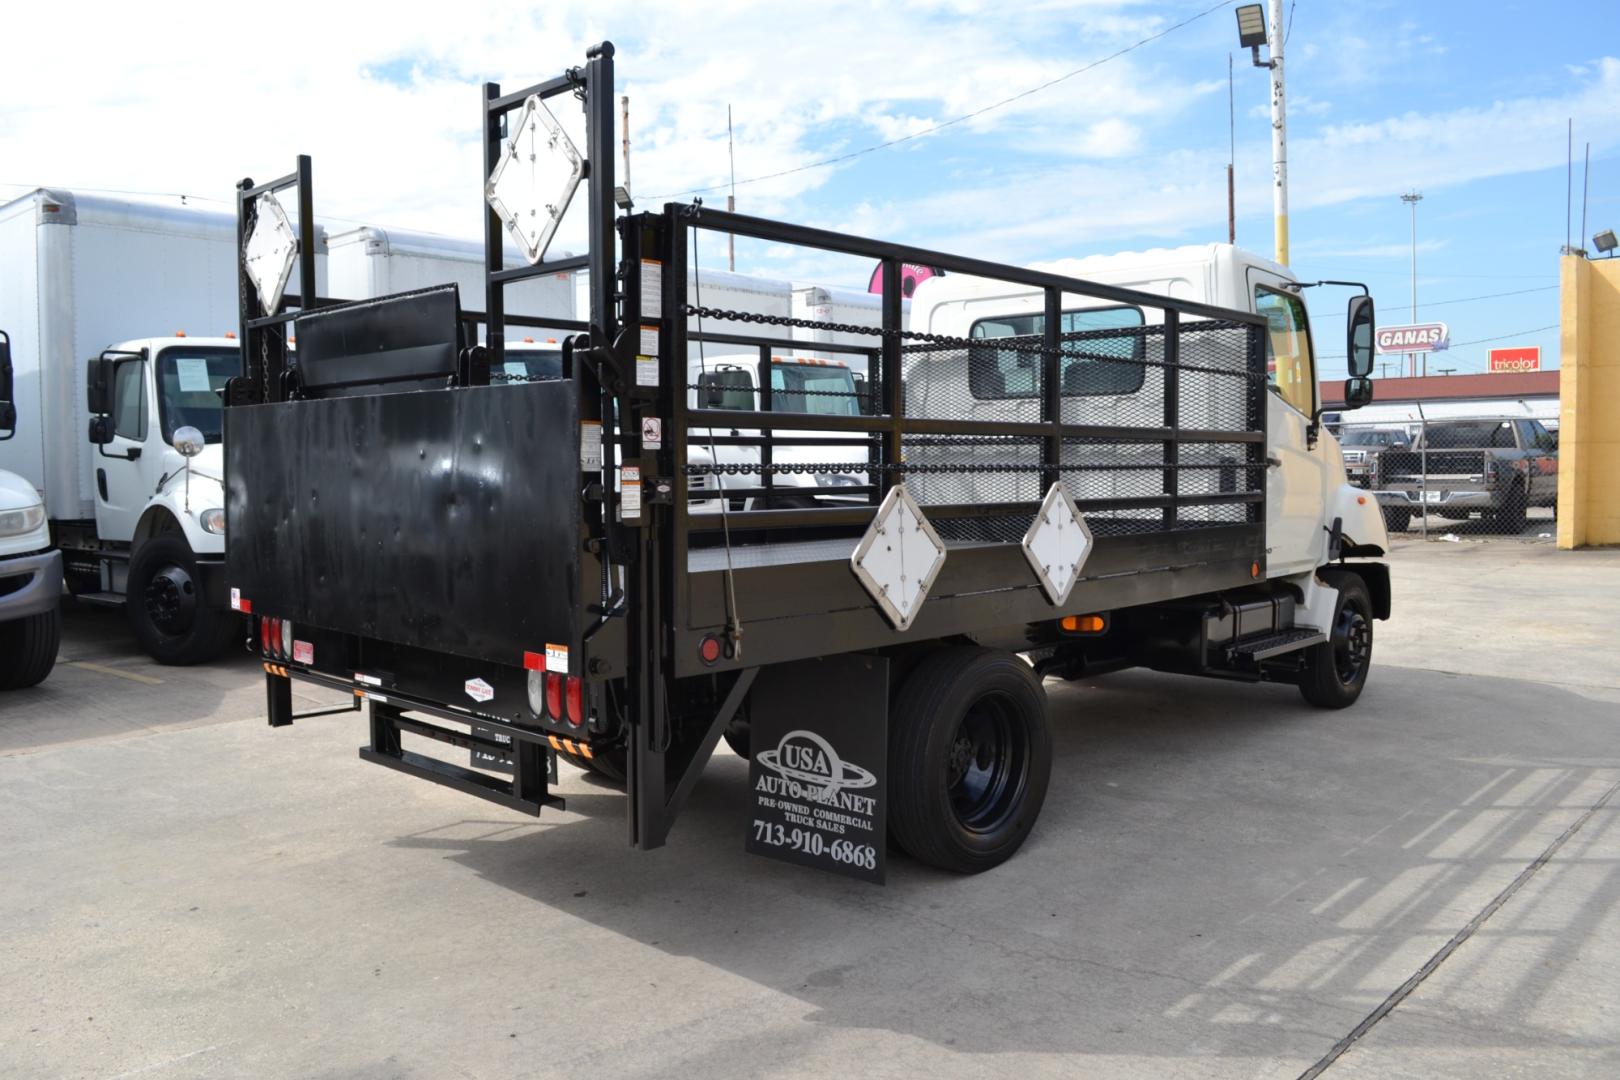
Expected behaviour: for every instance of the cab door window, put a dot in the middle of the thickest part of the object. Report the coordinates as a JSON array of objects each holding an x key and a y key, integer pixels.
[
  {"x": 1290, "y": 366},
  {"x": 129, "y": 400}
]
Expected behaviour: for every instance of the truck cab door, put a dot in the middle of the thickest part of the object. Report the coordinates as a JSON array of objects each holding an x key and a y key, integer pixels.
[
  {"x": 121, "y": 490},
  {"x": 1296, "y": 476}
]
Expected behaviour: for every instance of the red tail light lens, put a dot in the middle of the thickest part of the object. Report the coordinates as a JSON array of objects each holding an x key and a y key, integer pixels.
[
  {"x": 576, "y": 701},
  {"x": 554, "y": 696}
]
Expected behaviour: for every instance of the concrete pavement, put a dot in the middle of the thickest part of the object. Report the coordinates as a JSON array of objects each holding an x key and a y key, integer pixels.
[{"x": 1224, "y": 882}]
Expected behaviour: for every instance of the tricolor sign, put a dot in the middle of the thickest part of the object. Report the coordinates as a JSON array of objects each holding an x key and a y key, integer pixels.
[
  {"x": 1424, "y": 337},
  {"x": 1523, "y": 358}
]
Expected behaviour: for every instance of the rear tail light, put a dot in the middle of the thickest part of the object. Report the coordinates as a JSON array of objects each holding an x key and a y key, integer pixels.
[
  {"x": 286, "y": 639},
  {"x": 554, "y": 696},
  {"x": 270, "y": 634},
  {"x": 576, "y": 701}
]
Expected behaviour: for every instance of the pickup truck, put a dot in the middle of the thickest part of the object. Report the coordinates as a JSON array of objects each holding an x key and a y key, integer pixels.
[{"x": 1495, "y": 467}]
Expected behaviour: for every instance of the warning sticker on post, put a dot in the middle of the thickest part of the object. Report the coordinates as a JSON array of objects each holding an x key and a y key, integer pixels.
[
  {"x": 590, "y": 445},
  {"x": 646, "y": 371},
  {"x": 193, "y": 372},
  {"x": 652, "y": 289},
  {"x": 630, "y": 492},
  {"x": 649, "y": 341}
]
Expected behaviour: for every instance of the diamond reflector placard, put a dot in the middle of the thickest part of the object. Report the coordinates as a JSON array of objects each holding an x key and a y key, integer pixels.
[
  {"x": 899, "y": 558},
  {"x": 1057, "y": 544},
  {"x": 270, "y": 251},
  {"x": 533, "y": 182}
]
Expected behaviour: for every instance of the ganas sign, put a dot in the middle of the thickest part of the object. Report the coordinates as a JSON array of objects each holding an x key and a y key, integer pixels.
[{"x": 1424, "y": 337}]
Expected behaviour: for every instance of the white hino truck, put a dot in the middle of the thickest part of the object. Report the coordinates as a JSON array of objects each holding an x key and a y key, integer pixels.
[
  {"x": 121, "y": 315},
  {"x": 1066, "y": 474}
]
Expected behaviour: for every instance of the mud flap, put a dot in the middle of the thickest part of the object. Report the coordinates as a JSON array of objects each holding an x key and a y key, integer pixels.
[{"x": 818, "y": 776}]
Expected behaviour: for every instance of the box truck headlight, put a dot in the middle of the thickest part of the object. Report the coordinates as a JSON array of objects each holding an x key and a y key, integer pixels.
[
  {"x": 17, "y": 522},
  {"x": 213, "y": 520}
]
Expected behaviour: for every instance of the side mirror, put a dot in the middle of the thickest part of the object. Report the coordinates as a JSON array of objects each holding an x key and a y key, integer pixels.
[
  {"x": 8, "y": 411},
  {"x": 189, "y": 441},
  {"x": 101, "y": 431},
  {"x": 1358, "y": 391},
  {"x": 98, "y": 387},
  {"x": 1358, "y": 344}
]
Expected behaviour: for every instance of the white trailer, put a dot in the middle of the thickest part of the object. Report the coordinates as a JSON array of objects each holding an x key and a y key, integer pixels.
[
  {"x": 122, "y": 317},
  {"x": 369, "y": 261}
]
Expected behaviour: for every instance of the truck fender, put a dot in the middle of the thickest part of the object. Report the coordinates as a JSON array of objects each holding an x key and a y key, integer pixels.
[
  {"x": 1375, "y": 576},
  {"x": 164, "y": 514},
  {"x": 1361, "y": 521}
]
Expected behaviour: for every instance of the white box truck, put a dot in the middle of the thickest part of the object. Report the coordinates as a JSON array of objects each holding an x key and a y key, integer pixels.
[
  {"x": 122, "y": 317},
  {"x": 371, "y": 261}
]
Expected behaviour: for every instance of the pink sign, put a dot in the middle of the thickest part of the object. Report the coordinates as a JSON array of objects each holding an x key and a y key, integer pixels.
[{"x": 911, "y": 275}]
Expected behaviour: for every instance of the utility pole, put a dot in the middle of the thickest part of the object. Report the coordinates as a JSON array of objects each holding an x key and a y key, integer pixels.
[
  {"x": 1231, "y": 155},
  {"x": 1279, "y": 134},
  {"x": 731, "y": 199},
  {"x": 1412, "y": 198}
]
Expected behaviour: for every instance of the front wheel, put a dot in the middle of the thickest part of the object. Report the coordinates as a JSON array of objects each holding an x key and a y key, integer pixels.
[
  {"x": 165, "y": 598},
  {"x": 1336, "y": 670},
  {"x": 970, "y": 756},
  {"x": 28, "y": 649}
]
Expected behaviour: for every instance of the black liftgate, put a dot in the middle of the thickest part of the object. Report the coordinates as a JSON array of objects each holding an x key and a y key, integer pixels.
[{"x": 1156, "y": 430}]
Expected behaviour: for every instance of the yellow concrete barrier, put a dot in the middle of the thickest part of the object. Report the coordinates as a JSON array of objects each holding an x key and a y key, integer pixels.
[{"x": 1589, "y": 404}]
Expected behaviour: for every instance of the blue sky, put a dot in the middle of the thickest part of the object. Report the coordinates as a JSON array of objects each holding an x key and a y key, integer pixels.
[{"x": 1465, "y": 101}]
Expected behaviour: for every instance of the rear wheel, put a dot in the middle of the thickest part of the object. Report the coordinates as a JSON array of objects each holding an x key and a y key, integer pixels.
[
  {"x": 1511, "y": 515},
  {"x": 28, "y": 648},
  {"x": 610, "y": 763},
  {"x": 1397, "y": 518},
  {"x": 1336, "y": 670},
  {"x": 167, "y": 605},
  {"x": 970, "y": 756}
]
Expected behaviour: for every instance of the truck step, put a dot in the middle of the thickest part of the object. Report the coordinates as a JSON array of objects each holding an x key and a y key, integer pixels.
[
  {"x": 1272, "y": 645},
  {"x": 526, "y": 792},
  {"x": 106, "y": 599}
]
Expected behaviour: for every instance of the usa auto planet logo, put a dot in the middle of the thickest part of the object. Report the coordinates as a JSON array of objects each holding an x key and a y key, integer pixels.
[{"x": 805, "y": 758}]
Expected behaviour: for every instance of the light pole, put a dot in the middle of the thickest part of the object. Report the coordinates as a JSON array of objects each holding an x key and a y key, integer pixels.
[
  {"x": 1412, "y": 198},
  {"x": 1252, "y": 33}
]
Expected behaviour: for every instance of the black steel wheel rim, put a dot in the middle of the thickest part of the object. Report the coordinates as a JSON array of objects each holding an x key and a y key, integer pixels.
[
  {"x": 1352, "y": 645},
  {"x": 171, "y": 600},
  {"x": 987, "y": 767}
]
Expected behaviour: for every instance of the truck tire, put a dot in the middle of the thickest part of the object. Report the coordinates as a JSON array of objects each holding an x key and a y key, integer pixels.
[
  {"x": 970, "y": 755},
  {"x": 28, "y": 648},
  {"x": 1336, "y": 670},
  {"x": 164, "y": 597},
  {"x": 1397, "y": 518},
  {"x": 1511, "y": 515},
  {"x": 610, "y": 764}
]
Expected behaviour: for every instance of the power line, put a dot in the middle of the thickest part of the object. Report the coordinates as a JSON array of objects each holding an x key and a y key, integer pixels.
[
  {"x": 1455, "y": 300},
  {"x": 824, "y": 162}
]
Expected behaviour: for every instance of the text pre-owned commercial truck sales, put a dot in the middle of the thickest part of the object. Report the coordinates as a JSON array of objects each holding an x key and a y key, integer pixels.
[{"x": 1063, "y": 476}]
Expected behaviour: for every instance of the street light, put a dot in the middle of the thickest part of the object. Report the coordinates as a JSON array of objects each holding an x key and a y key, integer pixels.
[
  {"x": 1604, "y": 242},
  {"x": 1412, "y": 198},
  {"x": 1253, "y": 33}
]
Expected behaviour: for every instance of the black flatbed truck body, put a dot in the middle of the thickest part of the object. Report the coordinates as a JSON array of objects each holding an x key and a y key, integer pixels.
[{"x": 439, "y": 537}]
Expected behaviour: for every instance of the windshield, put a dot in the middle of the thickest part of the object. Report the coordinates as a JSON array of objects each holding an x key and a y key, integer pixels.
[
  {"x": 822, "y": 390},
  {"x": 1368, "y": 438},
  {"x": 1470, "y": 435},
  {"x": 190, "y": 385},
  {"x": 522, "y": 365}
]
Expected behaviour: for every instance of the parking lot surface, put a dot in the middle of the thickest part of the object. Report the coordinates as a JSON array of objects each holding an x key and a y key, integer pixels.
[{"x": 1224, "y": 882}]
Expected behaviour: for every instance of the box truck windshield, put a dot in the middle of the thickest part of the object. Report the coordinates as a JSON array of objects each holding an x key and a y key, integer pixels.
[
  {"x": 811, "y": 388},
  {"x": 190, "y": 382}
]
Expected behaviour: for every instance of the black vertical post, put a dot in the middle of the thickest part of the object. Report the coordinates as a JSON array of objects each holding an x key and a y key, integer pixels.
[
  {"x": 893, "y": 360},
  {"x": 278, "y": 700},
  {"x": 306, "y": 235},
  {"x": 599, "y": 143},
  {"x": 1172, "y": 412},
  {"x": 247, "y": 299},
  {"x": 1051, "y": 390},
  {"x": 494, "y": 292},
  {"x": 766, "y": 404}
]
